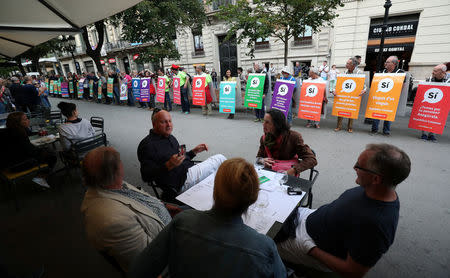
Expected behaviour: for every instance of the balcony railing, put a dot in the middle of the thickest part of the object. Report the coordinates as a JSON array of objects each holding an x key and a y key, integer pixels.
[
  {"x": 303, "y": 41},
  {"x": 111, "y": 46}
]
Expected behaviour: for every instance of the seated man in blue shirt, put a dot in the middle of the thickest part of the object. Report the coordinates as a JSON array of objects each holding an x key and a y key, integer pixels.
[
  {"x": 163, "y": 162},
  {"x": 349, "y": 235}
]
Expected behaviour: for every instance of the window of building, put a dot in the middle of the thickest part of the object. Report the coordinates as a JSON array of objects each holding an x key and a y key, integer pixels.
[
  {"x": 89, "y": 65},
  {"x": 217, "y": 3},
  {"x": 66, "y": 68},
  {"x": 305, "y": 38},
  {"x": 262, "y": 43},
  {"x": 198, "y": 41}
]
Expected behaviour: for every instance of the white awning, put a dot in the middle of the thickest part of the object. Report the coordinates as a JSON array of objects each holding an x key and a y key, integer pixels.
[{"x": 26, "y": 23}]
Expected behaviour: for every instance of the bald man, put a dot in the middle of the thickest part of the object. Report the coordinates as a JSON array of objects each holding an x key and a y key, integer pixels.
[
  {"x": 120, "y": 220},
  {"x": 163, "y": 161},
  {"x": 439, "y": 74}
]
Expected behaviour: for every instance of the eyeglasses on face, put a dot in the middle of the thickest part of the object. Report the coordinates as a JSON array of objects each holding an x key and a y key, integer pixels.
[{"x": 357, "y": 167}]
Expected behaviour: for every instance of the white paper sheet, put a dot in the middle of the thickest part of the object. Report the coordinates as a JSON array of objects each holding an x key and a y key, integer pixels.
[{"x": 273, "y": 203}]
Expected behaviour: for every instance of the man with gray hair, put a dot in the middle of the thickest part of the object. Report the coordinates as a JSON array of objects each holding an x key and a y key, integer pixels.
[
  {"x": 349, "y": 235},
  {"x": 390, "y": 66},
  {"x": 439, "y": 74},
  {"x": 351, "y": 68},
  {"x": 120, "y": 220}
]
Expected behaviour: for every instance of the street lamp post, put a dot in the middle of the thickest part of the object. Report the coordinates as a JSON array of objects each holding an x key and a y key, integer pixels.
[{"x": 387, "y": 5}]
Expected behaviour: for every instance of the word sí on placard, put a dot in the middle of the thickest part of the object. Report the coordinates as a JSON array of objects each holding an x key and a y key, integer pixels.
[{"x": 227, "y": 99}]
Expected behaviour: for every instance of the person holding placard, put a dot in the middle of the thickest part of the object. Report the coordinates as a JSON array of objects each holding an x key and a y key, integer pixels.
[
  {"x": 438, "y": 75},
  {"x": 314, "y": 75},
  {"x": 259, "y": 113},
  {"x": 184, "y": 83},
  {"x": 351, "y": 68},
  {"x": 206, "y": 109},
  {"x": 285, "y": 75},
  {"x": 228, "y": 77},
  {"x": 391, "y": 66}
]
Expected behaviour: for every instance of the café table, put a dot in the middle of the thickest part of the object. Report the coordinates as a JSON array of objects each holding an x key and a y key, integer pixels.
[
  {"x": 270, "y": 210},
  {"x": 50, "y": 138}
]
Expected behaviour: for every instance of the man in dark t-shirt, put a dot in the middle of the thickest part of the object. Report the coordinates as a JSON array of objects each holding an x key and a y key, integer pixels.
[{"x": 349, "y": 235}]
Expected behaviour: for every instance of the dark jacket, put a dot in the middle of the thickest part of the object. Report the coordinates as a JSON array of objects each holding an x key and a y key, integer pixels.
[
  {"x": 16, "y": 148},
  {"x": 153, "y": 152},
  {"x": 27, "y": 95},
  {"x": 291, "y": 144}
]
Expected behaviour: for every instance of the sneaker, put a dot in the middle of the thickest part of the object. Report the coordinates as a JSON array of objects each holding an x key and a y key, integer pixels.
[
  {"x": 337, "y": 129},
  {"x": 432, "y": 138},
  {"x": 424, "y": 137},
  {"x": 373, "y": 132},
  {"x": 256, "y": 120},
  {"x": 186, "y": 112},
  {"x": 350, "y": 130},
  {"x": 41, "y": 181},
  {"x": 316, "y": 126},
  {"x": 386, "y": 134},
  {"x": 308, "y": 125}
]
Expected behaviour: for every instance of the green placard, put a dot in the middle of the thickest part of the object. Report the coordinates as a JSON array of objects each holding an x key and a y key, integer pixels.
[
  {"x": 99, "y": 90},
  {"x": 71, "y": 87},
  {"x": 263, "y": 179},
  {"x": 109, "y": 88},
  {"x": 254, "y": 90}
]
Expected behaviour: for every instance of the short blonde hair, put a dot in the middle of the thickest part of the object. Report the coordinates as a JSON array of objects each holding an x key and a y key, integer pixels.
[{"x": 236, "y": 186}]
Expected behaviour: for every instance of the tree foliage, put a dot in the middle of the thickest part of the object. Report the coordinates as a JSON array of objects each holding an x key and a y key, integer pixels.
[
  {"x": 39, "y": 51},
  {"x": 155, "y": 24},
  {"x": 282, "y": 19}
]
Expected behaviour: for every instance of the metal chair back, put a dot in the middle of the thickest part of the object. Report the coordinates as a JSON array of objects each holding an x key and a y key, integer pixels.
[{"x": 98, "y": 123}]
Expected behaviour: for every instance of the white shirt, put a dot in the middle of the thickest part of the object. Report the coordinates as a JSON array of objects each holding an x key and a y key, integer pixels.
[{"x": 74, "y": 132}]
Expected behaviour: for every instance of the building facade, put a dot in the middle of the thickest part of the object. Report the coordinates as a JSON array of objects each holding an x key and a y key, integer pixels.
[{"x": 417, "y": 33}]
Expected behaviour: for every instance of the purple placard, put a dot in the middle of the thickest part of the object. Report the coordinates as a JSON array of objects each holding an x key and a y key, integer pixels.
[
  {"x": 282, "y": 95},
  {"x": 65, "y": 89},
  {"x": 145, "y": 89}
]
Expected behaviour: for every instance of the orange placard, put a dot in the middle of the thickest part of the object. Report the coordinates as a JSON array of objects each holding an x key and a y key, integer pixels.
[
  {"x": 347, "y": 100},
  {"x": 384, "y": 96},
  {"x": 311, "y": 99}
]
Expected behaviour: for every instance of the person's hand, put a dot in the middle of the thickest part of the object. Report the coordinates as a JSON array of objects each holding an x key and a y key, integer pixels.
[
  {"x": 291, "y": 172},
  {"x": 185, "y": 85},
  {"x": 174, "y": 161},
  {"x": 362, "y": 92},
  {"x": 268, "y": 162},
  {"x": 200, "y": 148}
]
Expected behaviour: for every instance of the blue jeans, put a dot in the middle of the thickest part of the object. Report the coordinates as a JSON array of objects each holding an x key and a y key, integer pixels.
[
  {"x": 116, "y": 92},
  {"x": 130, "y": 97},
  {"x": 185, "y": 107},
  {"x": 2, "y": 111},
  {"x": 152, "y": 103},
  {"x": 289, "y": 115},
  {"x": 167, "y": 101},
  {"x": 386, "y": 126},
  {"x": 259, "y": 113}
]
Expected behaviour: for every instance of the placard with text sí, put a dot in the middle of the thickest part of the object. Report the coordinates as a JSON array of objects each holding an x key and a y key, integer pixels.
[
  {"x": 99, "y": 89},
  {"x": 145, "y": 89},
  {"x": 384, "y": 96},
  {"x": 311, "y": 99},
  {"x": 176, "y": 90},
  {"x": 282, "y": 95},
  {"x": 109, "y": 87},
  {"x": 136, "y": 87},
  {"x": 254, "y": 90},
  {"x": 65, "y": 89},
  {"x": 81, "y": 87},
  {"x": 123, "y": 91},
  {"x": 227, "y": 99},
  {"x": 348, "y": 100},
  {"x": 198, "y": 90},
  {"x": 431, "y": 107},
  {"x": 161, "y": 89}
]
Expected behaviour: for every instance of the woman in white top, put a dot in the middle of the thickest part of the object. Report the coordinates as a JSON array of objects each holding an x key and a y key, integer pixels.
[
  {"x": 74, "y": 129},
  {"x": 332, "y": 75}
]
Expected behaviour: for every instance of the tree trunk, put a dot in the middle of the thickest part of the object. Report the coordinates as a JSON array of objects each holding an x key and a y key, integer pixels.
[
  {"x": 95, "y": 53},
  {"x": 286, "y": 46},
  {"x": 162, "y": 63},
  {"x": 19, "y": 65},
  {"x": 35, "y": 63}
]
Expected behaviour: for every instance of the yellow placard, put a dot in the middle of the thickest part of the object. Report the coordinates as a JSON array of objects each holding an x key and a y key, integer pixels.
[
  {"x": 384, "y": 96},
  {"x": 348, "y": 100}
]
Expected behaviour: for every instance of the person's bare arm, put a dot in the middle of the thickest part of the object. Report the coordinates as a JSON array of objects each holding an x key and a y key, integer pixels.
[{"x": 347, "y": 268}]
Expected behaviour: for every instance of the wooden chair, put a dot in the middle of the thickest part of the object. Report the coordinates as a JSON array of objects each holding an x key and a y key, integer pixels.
[
  {"x": 98, "y": 123},
  {"x": 11, "y": 178}
]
